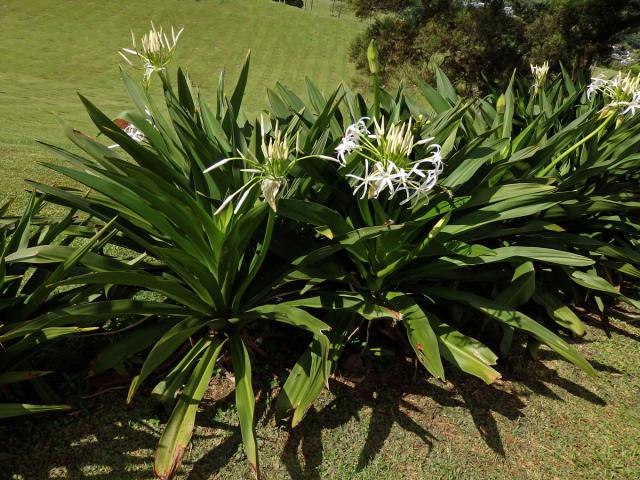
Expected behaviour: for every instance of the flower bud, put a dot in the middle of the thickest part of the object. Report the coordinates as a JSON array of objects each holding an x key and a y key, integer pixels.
[
  {"x": 501, "y": 105},
  {"x": 271, "y": 188},
  {"x": 372, "y": 56}
]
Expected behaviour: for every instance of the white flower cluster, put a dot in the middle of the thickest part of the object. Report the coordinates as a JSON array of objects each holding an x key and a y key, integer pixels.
[
  {"x": 621, "y": 92},
  {"x": 388, "y": 166},
  {"x": 270, "y": 172},
  {"x": 539, "y": 73},
  {"x": 156, "y": 52},
  {"x": 351, "y": 139}
]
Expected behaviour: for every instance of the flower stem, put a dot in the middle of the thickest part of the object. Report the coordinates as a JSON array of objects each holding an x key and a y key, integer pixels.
[{"x": 555, "y": 161}]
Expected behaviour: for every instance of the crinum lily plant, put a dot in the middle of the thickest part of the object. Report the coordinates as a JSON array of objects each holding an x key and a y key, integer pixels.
[
  {"x": 442, "y": 225},
  {"x": 408, "y": 277}
]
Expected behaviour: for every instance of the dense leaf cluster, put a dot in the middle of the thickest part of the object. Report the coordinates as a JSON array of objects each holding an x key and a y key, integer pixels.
[
  {"x": 470, "y": 40},
  {"x": 536, "y": 212}
]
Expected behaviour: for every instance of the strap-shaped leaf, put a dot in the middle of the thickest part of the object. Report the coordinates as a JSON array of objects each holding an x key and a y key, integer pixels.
[
  {"x": 92, "y": 314},
  {"x": 130, "y": 344},
  {"x": 314, "y": 214},
  {"x": 593, "y": 282},
  {"x": 245, "y": 401},
  {"x": 343, "y": 242},
  {"x": 513, "y": 318},
  {"x": 419, "y": 332},
  {"x": 166, "y": 391},
  {"x": 169, "y": 287},
  {"x": 304, "y": 383},
  {"x": 516, "y": 293},
  {"x": 307, "y": 377},
  {"x": 164, "y": 347},
  {"x": 521, "y": 288},
  {"x": 179, "y": 429},
  {"x": 45, "y": 254},
  {"x": 445, "y": 87},
  {"x": 558, "y": 311},
  {"x": 466, "y": 353},
  {"x": 353, "y": 302},
  {"x": 395, "y": 260},
  {"x": 8, "y": 410},
  {"x": 289, "y": 314}
]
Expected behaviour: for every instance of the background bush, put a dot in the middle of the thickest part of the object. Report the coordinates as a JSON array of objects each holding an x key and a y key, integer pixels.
[{"x": 472, "y": 41}]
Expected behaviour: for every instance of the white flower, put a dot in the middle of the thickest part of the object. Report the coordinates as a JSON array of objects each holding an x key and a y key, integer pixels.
[
  {"x": 385, "y": 178},
  {"x": 539, "y": 73},
  {"x": 351, "y": 139},
  {"x": 156, "y": 52},
  {"x": 595, "y": 86},
  {"x": 421, "y": 191},
  {"x": 364, "y": 182},
  {"x": 271, "y": 189},
  {"x": 622, "y": 93},
  {"x": 388, "y": 162},
  {"x": 632, "y": 105},
  {"x": 269, "y": 172}
]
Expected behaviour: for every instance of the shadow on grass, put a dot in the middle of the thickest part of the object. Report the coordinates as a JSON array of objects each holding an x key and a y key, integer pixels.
[
  {"x": 216, "y": 458},
  {"x": 106, "y": 440},
  {"x": 387, "y": 407},
  {"x": 385, "y": 394},
  {"x": 600, "y": 321},
  {"x": 117, "y": 441}
]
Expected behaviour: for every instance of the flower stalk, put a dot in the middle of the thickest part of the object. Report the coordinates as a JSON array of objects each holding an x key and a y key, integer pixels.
[{"x": 575, "y": 146}]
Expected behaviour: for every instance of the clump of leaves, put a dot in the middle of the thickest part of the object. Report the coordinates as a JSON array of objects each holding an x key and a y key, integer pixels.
[{"x": 502, "y": 212}]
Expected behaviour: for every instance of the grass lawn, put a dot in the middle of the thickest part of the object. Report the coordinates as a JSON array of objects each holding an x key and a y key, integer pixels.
[
  {"x": 545, "y": 420},
  {"x": 51, "y": 50}
]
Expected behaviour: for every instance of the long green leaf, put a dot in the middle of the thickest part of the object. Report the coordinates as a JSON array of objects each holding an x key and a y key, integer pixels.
[
  {"x": 466, "y": 353},
  {"x": 179, "y": 429},
  {"x": 8, "y": 410},
  {"x": 420, "y": 333},
  {"x": 245, "y": 401},
  {"x": 513, "y": 318}
]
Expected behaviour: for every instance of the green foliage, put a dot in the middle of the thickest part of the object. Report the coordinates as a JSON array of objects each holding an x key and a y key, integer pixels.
[
  {"x": 469, "y": 43},
  {"x": 576, "y": 32},
  {"x": 534, "y": 212},
  {"x": 476, "y": 41},
  {"x": 28, "y": 292}
]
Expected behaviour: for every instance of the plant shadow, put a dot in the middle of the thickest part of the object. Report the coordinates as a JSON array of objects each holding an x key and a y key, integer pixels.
[
  {"x": 390, "y": 395},
  {"x": 110, "y": 440},
  {"x": 104, "y": 439}
]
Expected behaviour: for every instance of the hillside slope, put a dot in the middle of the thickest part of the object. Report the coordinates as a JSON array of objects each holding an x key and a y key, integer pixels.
[{"x": 50, "y": 50}]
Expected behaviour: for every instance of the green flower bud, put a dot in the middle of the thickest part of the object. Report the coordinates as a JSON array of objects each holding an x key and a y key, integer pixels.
[
  {"x": 372, "y": 56},
  {"x": 500, "y": 105}
]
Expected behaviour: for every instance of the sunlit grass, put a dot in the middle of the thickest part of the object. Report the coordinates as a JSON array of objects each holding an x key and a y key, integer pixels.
[
  {"x": 547, "y": 422},
  {"x": 54, "y": 49}
]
